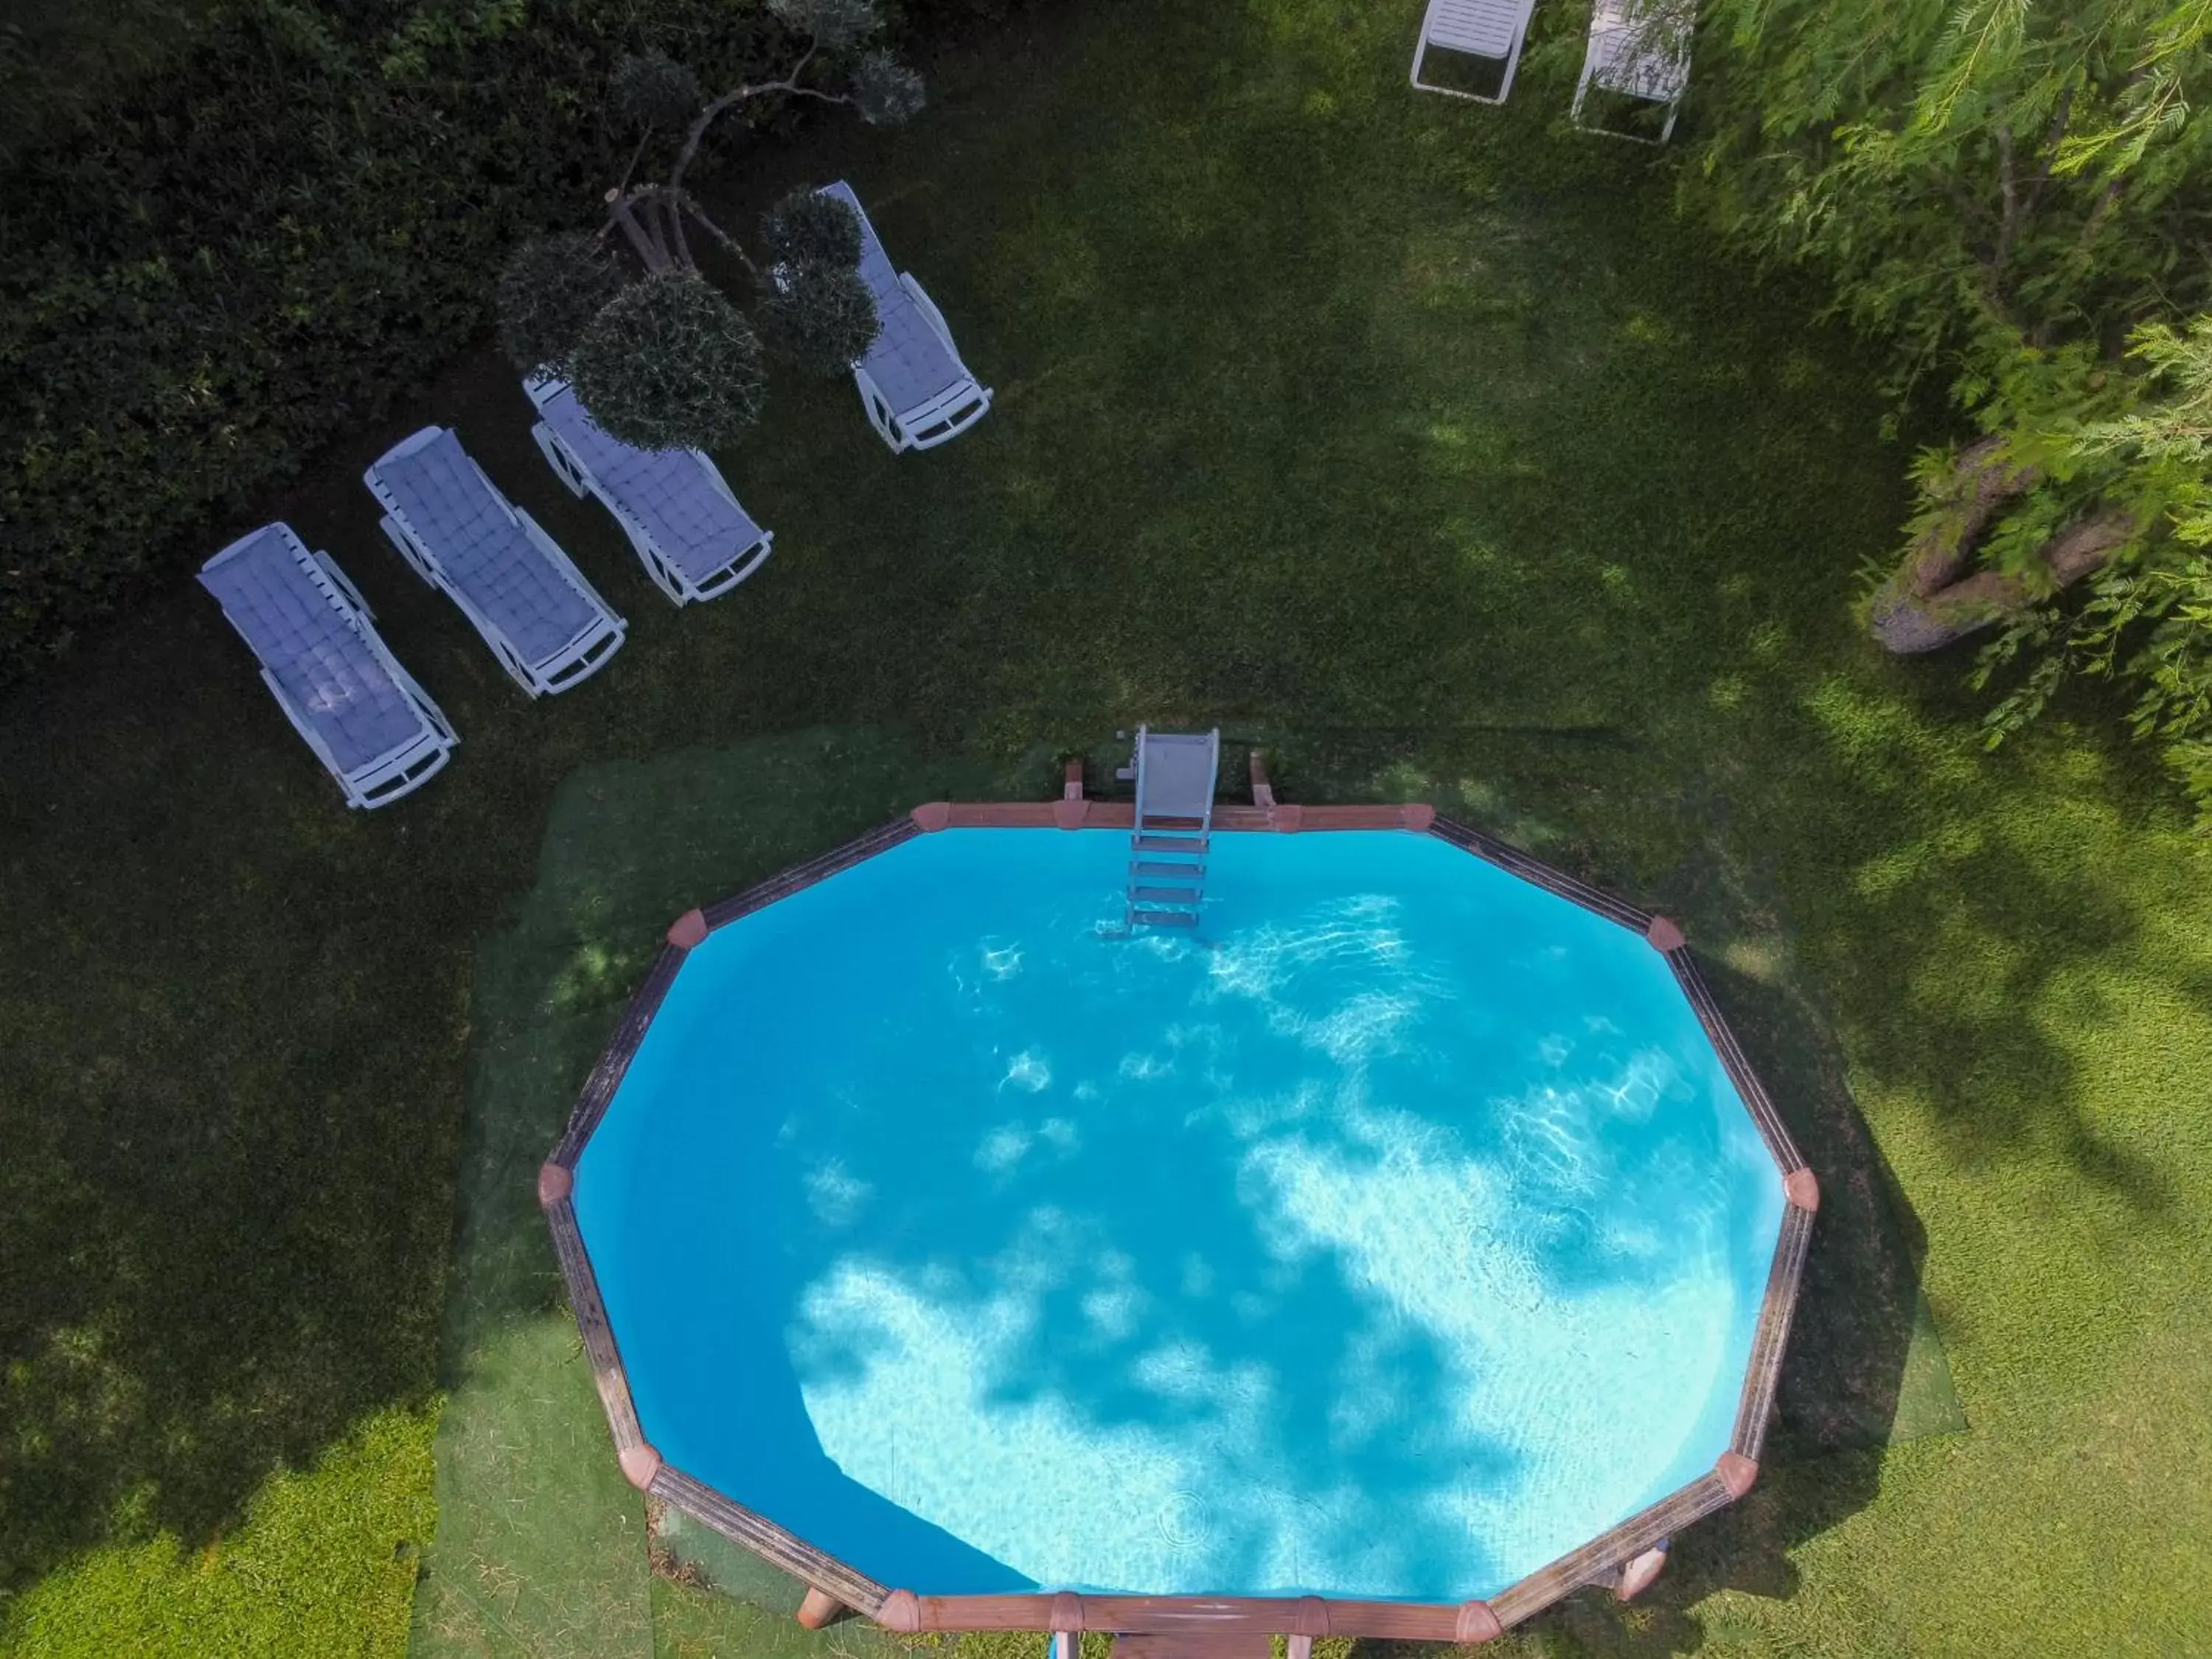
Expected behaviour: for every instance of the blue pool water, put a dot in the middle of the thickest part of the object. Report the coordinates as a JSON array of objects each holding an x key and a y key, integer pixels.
[{"x": 1395, "y": 1237}]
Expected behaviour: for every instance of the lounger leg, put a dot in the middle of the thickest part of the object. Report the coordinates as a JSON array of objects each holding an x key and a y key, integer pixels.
[
  {"x": 566, "y": 471},
  {"x": 399, "y": 539}
]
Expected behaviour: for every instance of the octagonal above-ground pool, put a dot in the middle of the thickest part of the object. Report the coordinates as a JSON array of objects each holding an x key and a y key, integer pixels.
[{"x": 1402, "y": 1248}]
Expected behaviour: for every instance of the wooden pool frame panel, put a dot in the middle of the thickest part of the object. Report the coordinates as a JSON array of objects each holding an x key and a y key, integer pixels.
[{"x": 834, "y": 1586}]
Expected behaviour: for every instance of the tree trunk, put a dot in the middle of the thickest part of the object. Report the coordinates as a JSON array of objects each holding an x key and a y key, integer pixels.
[
  {"x": 1923, "y": 623},
  {"x": 1982, "y": 483}
]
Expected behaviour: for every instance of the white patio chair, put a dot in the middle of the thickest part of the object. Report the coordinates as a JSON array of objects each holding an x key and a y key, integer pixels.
[
  {"x": 1639, "y": 49},
  {"x": 916, "y": 389},
  {"x": 376, "y": 730},
  {"x": 1493, "y": 29},
  {"x": 693, "y": 539},
  {"x": 546, "y": 624}
]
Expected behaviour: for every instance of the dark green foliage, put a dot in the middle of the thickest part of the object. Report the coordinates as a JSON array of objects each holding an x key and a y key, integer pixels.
[
  {"x": 552, "y": 288},
  {"x": 808, "y": 228},
  {"x": 886, "y": 91},
  {"x": 670, "y": 363},
  {"x": 652, "y": 89},
  {"x": 256, "y": 233},
  {"x": 832, "y": 24},
  {"x": 820, "y": 318}
]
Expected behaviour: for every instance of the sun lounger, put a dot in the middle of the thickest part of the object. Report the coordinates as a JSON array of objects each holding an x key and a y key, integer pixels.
[
  {"x": 1638, "y": 51},
  {"x": 1492, "y": 29},
  {"x": 916, "y": 389},
  {"x": 693, "y": 539},
  {"x": 544, "y": 621},
  {"x": 367, "y": 720}
]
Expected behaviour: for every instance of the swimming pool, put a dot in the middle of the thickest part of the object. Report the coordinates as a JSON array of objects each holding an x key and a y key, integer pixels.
[{"x": 1395, "y": 1237}]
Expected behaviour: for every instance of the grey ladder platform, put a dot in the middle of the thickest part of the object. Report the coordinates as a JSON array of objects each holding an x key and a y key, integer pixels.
[{"x": 1174, "y": 774}]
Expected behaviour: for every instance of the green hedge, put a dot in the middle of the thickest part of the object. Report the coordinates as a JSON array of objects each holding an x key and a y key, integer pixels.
[{"x": 266, "y": 242}]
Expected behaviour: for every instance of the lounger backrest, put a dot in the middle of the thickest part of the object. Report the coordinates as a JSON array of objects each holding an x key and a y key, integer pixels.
[
  {"x": 304, "y": 633},
  {"x": 695, "y": 526},
  {"x": 1643, "y": 49},
  {"x": 481, "y": 551},
  {"x": 1487, "y": 28},
  {"x": 907, "y": 361}
]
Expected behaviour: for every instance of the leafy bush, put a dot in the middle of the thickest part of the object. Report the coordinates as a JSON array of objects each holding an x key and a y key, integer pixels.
[
  {"x": 552, "y": 288},
  {"x": 261, "y": 238},
  {"x": 652, "y": 89}
]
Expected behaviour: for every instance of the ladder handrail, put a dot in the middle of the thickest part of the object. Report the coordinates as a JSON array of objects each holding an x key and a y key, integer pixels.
[{"x": 1145, "y": 898}]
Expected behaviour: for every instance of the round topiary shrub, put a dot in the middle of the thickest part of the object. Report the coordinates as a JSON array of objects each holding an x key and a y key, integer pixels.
[
  {"x": 652, "y": 89},
  {"x": 808, "y": 228},
  {"x": 548, "y": 293},
  {"x": 670, "y": 363},
  {"x": 820, "y": 318},
  {"x": 886, "y": 92},
  {"x": 832, "y": 25}
]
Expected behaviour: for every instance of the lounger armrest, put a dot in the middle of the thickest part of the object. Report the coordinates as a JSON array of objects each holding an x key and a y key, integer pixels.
[
  {"x": 542, "y": 388},
  {"x": 561, "y": 561},
  {"x": 343, "y": 582},
  {"x": 513, "y": 512},
  {"x": 930, "y": 313},
  {"x": 409, "y": 683},
  {"x": 722, "y": 485},
  {"x": 300, "y": 723}
]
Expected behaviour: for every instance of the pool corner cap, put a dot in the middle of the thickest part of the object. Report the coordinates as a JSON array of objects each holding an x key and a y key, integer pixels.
[
  {"x": 1664, "y": 935},
  {"x": 555, "y": 1182},
  {"x": 1736, "y": 1472},
  {"x": 688, "y": 930},
  {"x": 1421, "y": 817},
  {"x": 640, "y": 1464},
  {"x": 1286, "y": 820},
  {"x": 1474, "y": 1623},
  {"x": 1802, "y": 1188},
  {"x": 901, "y": 1611},
  {"x": 819, "y": 1609},
  {"x": 1069, "y": 811},
  {"x": 1641, "y": 1572},
  {"x": 932, "y": 816}
]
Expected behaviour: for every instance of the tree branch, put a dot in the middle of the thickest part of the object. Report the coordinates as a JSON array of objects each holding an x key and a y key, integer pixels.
[
  {"x": 643, "y": 241},
  {"x": 689, "y": 204},
  {"x": 2048, "y": 149},
  {"x": 2009, "y": 192},
  {"x": 743, "y": 95},
  {"x": 643, "y": 139},
  {"x": 1927, "y": 621}
]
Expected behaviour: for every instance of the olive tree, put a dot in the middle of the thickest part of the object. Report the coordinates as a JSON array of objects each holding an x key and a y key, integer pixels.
[{"x": 666, "y": 359}]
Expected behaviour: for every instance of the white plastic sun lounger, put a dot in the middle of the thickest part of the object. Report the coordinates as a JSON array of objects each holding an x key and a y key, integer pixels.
[
  {"x": 917, "y": 392},
  {"x": 681, "y": 516},
  {"x": 1639, "y": 52},
  {"x": 367, "y": 721},
  {"x": 545, "y": 623},
  {"x": 1479, "y": 28}
]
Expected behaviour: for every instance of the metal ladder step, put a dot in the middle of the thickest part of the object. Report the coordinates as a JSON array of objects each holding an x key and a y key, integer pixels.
[
  {"x": 1142, "y": 842},
  {"x": 1162, "y": 918},
  {"x": 1194, "y": 873},
  {"x": 1163, "y": 895}
]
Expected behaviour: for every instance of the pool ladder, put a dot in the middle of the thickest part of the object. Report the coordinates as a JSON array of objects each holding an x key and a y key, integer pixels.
[{"x": 1174, "y": 773}]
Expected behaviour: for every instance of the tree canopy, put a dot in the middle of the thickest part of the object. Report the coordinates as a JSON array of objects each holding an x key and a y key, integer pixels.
[
  {"x": 664, "y": 363},
  {"x": 2013, "y": 193}
]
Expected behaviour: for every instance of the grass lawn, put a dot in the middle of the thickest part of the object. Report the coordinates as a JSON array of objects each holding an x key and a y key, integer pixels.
[{"x": 1407, "y": 437}]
